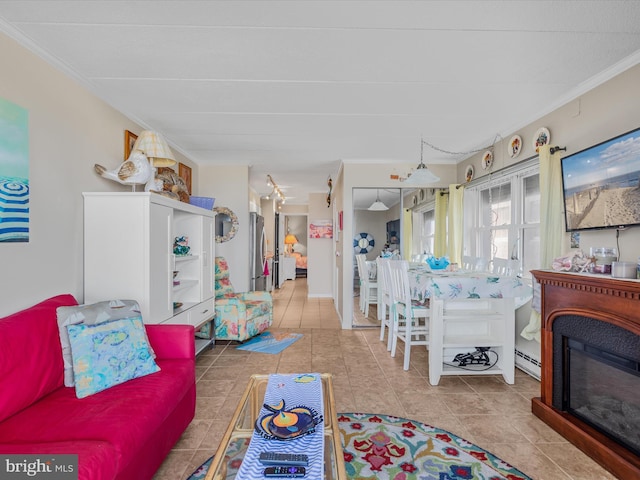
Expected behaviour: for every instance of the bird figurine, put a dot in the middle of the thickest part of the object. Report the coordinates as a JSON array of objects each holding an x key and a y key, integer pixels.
[{"x": 136, "y": 170}]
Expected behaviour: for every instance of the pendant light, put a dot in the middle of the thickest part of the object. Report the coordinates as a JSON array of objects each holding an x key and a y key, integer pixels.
[
  {"x": 378, "y": 206},
  {"x": 422, "y": 175}
]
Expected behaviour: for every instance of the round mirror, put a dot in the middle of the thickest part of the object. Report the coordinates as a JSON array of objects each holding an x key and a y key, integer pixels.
[{"x": 226, "y": 224}]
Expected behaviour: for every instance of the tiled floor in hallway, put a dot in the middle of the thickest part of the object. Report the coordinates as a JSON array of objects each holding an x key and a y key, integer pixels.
[{"x": 483, "y": 410}]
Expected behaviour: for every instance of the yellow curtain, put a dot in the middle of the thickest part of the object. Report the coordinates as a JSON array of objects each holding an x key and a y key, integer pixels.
[
  {"x": 440, "y": 233},
  {"x": 551, "y": 204},
  {"x": 456, "y": 197},
  {"x": 551, "y": 228},
  {"x": 407, "y": 233}
]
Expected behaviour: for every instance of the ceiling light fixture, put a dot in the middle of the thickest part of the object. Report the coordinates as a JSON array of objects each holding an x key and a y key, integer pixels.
[
  {"x": 275, "y": 190},
  {"x": 422, "y": 174},
  {"x": 378, "y": 206}
]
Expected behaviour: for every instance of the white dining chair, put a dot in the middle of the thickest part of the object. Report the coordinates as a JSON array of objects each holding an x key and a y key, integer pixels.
[
  {"x": 505, "y": 267},
  {"x": 474, "y": 264},
  {"x": 410, "y": 320},
  {"x": 385, "y": 299},
  {"x": 368, "y": 285},
  {"x": 468, "y": 263}
]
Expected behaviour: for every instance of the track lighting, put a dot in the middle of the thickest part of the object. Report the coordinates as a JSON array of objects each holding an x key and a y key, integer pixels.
[{"x": 275, "y": 190}]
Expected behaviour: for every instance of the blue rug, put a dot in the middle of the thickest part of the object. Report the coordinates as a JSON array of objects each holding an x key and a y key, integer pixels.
[{"x": 268, "y": 342}]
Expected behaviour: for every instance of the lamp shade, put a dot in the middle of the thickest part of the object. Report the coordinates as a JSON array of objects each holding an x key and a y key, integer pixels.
[
  {"x": 422, "y": 176},
  {"x": 290, "y": 239},
  {"x": 155, "y": 149},
  {"x": 378, "y": 206}
]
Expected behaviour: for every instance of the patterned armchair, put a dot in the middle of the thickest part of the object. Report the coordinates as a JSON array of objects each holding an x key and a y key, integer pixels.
[{"x": 239, "y": 316}]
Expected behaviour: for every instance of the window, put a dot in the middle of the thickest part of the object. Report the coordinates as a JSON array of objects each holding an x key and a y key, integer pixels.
[
  {"x": 502, "y": 215},
  {"x": 423, "y": 229}
]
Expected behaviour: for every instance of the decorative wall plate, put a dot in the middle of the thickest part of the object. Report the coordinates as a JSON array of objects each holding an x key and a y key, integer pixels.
[
  {"x": 515, "y": 146},
  {"x": 363, "y": 243},
  {"x": 487, "y": 159},
  {"x": 423, "y": 194},
  {"x": 468, "y": 174},
  {"x": 542, "y": 137}
]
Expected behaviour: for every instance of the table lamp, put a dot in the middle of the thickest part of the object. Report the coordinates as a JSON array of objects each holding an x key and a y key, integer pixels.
[
  {"x": 290, "y": 240},
  {"x": 157, "y": 151}
]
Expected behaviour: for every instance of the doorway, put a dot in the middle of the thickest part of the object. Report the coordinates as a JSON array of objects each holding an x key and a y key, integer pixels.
[
  {"x": 293, "y": 258},
  {"x": 372, "y": 236}
]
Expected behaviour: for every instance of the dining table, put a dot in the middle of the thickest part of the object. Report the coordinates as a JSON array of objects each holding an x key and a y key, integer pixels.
[{"x": 425, "y": 282}]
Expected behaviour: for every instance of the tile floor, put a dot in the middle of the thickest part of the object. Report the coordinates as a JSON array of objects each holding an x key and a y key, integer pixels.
[{"x": 483, "y": 410}]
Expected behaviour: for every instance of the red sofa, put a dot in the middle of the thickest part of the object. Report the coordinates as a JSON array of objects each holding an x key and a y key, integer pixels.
[{"x": 124, "y": 432}]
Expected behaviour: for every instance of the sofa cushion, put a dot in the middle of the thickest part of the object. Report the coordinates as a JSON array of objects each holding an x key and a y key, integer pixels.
[
  {"x": 109, "y": 354},
  {"x": 30, "y": 349},
  {"x": 123, "y": 416},
  {"x": 90, "y": 314}
]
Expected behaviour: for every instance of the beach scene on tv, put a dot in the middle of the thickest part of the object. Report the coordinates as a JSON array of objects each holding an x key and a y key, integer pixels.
[{"x": 602, "y": 184}]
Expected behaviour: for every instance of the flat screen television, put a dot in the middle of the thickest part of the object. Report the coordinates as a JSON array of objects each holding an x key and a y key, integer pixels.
[{"x": 601, "y": 184}]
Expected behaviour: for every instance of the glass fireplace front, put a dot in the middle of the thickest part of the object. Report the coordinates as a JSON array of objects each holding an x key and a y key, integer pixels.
[{"x": 602, "y": 388}]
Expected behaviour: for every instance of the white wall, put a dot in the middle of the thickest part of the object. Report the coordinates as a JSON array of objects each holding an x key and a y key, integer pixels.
[
  {"x": 70, "y": 130},
  {"x": 230, "y": 187},
  {"x": 320, "y": 257}
]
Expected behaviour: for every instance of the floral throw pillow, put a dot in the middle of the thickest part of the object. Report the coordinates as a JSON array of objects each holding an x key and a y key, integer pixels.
[
  {"x": 90, "y": 314},
  {"x": 109, "y": 354}
]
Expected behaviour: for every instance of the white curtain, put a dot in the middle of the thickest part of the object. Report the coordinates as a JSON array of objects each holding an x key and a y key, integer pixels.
[
  {"x": 551, "y": 228},
  {"x": 440, "y": 227},
  {"x": 407, "y": 240},
  {"x": 456, "y": 216}
]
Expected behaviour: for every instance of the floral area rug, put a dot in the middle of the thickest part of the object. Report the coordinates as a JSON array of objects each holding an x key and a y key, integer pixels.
[
  {"x": 385, "y": 447},
  {"x": 382, "y": 447}
]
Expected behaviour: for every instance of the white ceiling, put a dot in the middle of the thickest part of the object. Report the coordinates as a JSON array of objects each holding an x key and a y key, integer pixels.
[{"x": 292, "y": 88}]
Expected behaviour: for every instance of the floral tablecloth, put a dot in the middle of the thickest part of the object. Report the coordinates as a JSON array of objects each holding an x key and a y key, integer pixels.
[{"x": 424, "y": 282}]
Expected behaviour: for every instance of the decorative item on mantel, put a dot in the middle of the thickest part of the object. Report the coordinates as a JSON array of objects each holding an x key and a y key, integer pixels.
[
  {"x": 576, "y": 261},
  {"x": 148, "y": 152},
  {"x": 173, "y": 186}
]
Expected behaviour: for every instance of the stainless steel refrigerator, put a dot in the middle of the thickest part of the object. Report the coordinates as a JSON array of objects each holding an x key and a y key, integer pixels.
[{"x": 258, "y": 248}]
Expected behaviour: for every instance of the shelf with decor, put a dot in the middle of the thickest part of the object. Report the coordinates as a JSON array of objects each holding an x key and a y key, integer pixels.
[{"x": 130, "y": 253}]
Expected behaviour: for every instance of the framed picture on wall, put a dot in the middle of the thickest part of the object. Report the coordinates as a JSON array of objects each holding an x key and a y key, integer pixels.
[
  {"x": 129, "y": 139},
  {"x": 185, "y": 172},
  {"x": 321, "y": 229}
]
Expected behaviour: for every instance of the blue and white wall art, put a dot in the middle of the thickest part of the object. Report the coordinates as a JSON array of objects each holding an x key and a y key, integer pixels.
[{"x": 14, "y": 172}]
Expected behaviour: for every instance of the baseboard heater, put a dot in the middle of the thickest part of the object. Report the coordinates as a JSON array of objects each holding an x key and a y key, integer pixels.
[{"x": 528, "y": 364}]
